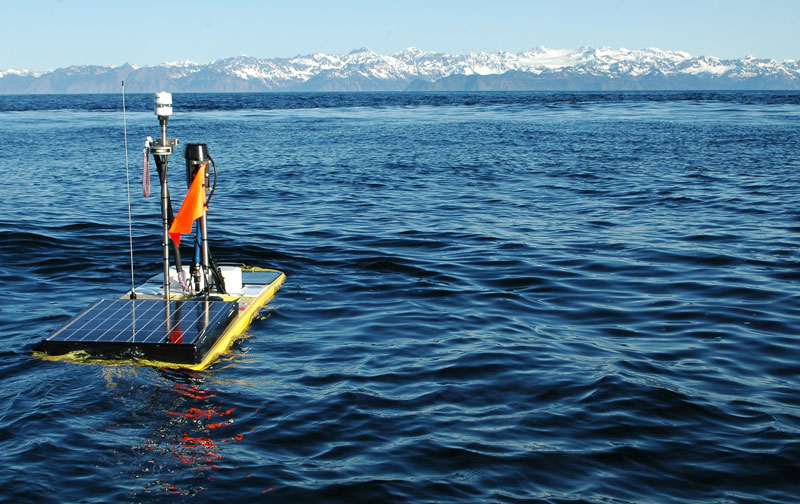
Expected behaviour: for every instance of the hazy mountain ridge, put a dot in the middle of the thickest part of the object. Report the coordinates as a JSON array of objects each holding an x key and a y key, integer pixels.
[{"x": 540, "y": 68}]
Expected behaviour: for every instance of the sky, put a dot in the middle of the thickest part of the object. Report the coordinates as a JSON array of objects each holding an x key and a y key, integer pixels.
[{"x": 48, "y": 34}]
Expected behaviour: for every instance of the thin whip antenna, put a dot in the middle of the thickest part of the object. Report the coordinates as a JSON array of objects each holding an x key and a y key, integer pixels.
[{"x": 128, "y": 181}]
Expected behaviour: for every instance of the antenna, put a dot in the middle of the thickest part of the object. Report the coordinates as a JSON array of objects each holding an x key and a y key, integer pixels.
[{"x": 128, "y": 183}]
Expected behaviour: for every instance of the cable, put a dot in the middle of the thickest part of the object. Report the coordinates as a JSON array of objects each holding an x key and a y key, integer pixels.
[
  {"x": 146, "y": 167},
  {"x": 214, "y": 185}
]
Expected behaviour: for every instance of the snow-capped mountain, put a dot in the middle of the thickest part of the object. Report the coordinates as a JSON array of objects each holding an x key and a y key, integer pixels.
[{"x": 540, "y": 68}]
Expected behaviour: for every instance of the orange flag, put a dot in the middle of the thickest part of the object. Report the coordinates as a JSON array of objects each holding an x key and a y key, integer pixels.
[{"x": 192, "y": 207}]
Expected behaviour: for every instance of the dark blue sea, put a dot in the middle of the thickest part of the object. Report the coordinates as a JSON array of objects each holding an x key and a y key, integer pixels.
[{"x": 490, "y": 298}]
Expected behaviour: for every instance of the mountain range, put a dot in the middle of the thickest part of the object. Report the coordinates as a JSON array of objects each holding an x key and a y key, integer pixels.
[{"x": 541, "y": 68}]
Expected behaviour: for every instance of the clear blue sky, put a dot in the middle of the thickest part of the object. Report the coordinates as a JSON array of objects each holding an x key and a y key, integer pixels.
[{"x": 45, "y": 34}]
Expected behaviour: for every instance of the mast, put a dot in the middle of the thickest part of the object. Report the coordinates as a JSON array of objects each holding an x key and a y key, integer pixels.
[
  {"x": 163, "y": 147},
  {"x": 196, "y": 156}
]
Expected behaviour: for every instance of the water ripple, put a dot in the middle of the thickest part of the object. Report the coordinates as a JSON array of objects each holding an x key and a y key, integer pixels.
[{"x": 491, "y": 297}]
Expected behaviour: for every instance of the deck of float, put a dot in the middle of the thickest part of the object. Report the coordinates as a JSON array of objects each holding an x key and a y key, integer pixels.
[
  {"x": 175, "y": 331},
  {"x": 184, "y": 332}
]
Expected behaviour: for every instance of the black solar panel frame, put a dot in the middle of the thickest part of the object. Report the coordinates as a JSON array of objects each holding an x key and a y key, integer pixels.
[{"x": 140, "y": 328}]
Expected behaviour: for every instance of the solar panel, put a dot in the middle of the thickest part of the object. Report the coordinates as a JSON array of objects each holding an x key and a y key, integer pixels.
[{"x": 175, "y": 331}]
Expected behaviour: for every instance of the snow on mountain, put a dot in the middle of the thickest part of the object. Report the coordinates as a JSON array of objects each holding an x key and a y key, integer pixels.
[
  {"x": 22, "y": 73},
  {"x": 413, "y": 68},
  {"x": 180, "y": 64},
  {"x": 13, "y": 71}
]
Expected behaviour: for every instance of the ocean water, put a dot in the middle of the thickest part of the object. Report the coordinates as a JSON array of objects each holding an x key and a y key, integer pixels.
[{"x": 491, "y": 297}]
